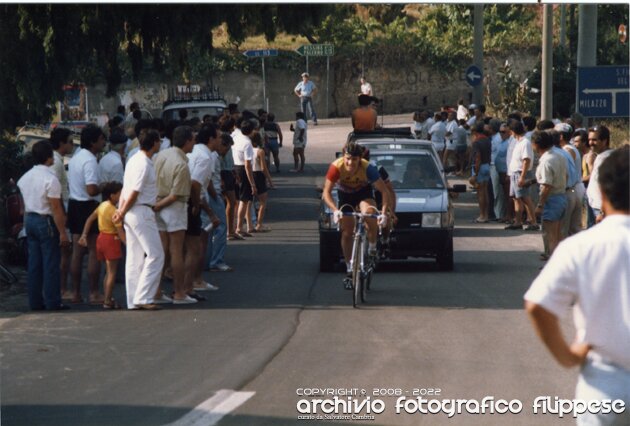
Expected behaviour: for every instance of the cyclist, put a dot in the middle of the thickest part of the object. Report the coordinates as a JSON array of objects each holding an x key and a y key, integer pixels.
[{"x": 354, "y": 178}]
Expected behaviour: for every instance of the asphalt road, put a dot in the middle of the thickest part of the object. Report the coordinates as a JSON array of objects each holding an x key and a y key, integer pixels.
[{"x": 277, "y": 325}]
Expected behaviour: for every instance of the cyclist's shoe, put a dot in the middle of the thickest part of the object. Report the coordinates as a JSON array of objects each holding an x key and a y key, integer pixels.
[{"x": 347, "y": 282}]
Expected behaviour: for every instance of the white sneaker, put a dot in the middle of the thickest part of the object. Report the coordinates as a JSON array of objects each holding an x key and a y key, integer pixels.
[
  {"x": 204, "y": 286},
  {"x": 185, "y": 301},
  {"x": 162, "y": 300}
]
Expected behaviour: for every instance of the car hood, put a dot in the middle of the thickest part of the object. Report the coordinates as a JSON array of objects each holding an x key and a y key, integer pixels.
[{"x": 421, "y": 200}]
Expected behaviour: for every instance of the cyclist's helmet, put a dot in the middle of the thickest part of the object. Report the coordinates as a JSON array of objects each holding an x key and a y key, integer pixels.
[{"x": 353, "y": 149}]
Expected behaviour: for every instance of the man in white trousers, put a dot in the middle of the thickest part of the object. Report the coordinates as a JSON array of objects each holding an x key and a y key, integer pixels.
[{"x": 145, "y": 255}]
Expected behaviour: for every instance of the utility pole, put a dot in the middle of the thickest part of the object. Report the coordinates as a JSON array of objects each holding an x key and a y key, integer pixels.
[
  {"x": 563, "y": 26},
  {"x": 546, "y": 100},
  {"x": 587, "y": 39},
  {"x": 478, "y": 51}
]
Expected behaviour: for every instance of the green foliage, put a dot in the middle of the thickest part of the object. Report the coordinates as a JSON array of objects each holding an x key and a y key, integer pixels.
[
  {"x": 12, "y": 161},
  {"x": 513, "y": 94}
]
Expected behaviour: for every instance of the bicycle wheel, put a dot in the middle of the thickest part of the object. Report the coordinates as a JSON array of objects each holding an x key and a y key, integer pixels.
[
  {"x": 357, "y": 279},
  {"x": 6, "y": 275},
  {"x": 367, "y": 273}
]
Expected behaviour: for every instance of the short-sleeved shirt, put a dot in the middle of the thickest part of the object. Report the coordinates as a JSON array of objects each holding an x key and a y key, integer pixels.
[
  {"x": 305, "y": 89},
  {"x": 105, "y": 212},
  {"x": 111, "y": 168},
  {"x": 173, "y": 175},
  {"x": 591, "y": 273},
  {"x": 500, "y": 161},
  {"x": 366, "y": 174},
  {"x": 37, "y": 186},
  {"x": 227, "y": 161},
  {"x": 522, "y": 150},
  {"x": 140, "y": 177},
  {"x": 364, "y": 119},
  {"x": 299, "y": 125},
  {"x": 450, "y": 128},
  {"x": 552, "y": 171},
  {"x": 460, "y": 137},
  {"x": 271, "y": 130},
  {"x": 593, "y": 191},
  {"x": 215, "y": 178},
  {"x": 83, "y": 171},
  {"x": 200, "y": 165},
  {"x": 60, "y": 171},
  {"x": 242, "y": 150},
  {"x": 438, "y": 132}
]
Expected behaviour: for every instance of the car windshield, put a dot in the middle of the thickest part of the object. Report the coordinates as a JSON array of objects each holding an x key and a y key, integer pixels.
[
  {"x": 173, "y": 114},
  {"x": 417, "y": 171}
]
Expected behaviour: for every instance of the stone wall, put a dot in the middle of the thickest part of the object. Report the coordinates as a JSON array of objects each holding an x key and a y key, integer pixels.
[{"x": 402, "y": 89}]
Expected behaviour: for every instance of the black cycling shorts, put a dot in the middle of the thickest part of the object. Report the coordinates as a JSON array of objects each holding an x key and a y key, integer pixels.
[{"x": 354, "y": 198}]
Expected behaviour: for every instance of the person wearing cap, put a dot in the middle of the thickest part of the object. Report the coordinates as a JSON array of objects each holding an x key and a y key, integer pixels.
[
  {"x": 364, "y": 118},
  {"x": 572, "y": 220},
  {"x": 305, "y": 90}
]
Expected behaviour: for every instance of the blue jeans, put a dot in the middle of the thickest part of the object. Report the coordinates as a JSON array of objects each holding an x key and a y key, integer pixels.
[
  {"x": 44, "y": 259},
  {"x": 217, "y": 239},
  {"x": 305, "y": 102}
]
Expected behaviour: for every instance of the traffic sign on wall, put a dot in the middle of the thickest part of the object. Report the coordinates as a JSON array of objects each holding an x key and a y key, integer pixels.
[{"x": 603, "y": 91}]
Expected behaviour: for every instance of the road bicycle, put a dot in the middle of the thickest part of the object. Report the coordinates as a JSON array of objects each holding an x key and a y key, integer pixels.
[
  {"x": 363, "y": 265},
  {"x": 6, "y": 276}
]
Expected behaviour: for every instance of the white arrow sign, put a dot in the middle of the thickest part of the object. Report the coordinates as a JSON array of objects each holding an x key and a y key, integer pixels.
[
  {"x": 613, "y": 92},
  {"x": 473, "y": 76}
]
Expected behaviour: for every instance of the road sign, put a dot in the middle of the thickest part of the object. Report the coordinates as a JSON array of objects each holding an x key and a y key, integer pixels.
[
  {"x": 316, "y": 50},
  {"x": 260, "y": 53},
  {"x": 474, "y": 75},
  {"x": 603, "y": 91}
]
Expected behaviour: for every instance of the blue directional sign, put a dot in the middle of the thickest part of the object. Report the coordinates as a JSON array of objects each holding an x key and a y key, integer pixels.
[
  {"x": 603, "y": 91},
  {"x": 474, "y": 76},
  {"x": 260, "y": 53}
]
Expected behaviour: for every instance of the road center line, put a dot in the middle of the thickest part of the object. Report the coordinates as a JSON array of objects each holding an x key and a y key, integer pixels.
[{"x": 213, "y": 409}]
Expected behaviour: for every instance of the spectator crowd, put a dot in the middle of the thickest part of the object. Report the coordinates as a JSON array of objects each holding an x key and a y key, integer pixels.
[{"x": 160, "y": 200}]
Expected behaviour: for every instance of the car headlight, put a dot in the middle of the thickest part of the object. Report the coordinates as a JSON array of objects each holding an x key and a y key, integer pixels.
[{"x": 431, "y": 220}]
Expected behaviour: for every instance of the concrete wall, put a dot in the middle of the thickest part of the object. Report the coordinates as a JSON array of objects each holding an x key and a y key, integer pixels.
[{"x": 403, "y": 89}]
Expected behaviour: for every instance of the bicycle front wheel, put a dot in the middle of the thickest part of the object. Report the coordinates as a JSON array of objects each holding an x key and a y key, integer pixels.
[
  {"x": 357, "y": 279},
  {"x": 6, "y": 275}
]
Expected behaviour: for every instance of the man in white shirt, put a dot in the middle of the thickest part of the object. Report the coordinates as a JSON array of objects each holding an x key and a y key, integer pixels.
[
  {"x": 591, "y": 273},
  {"x": 111, "y": 167},
  {"x": 44, "y": 221},
  {"x": 243, "y": 153},
  {"x": 451, "y": 126},
  {"x": 305, "y": 90},
  {"x": 62, "y": 144},
  {"x": 599, "y": 140},
  {"x": 145, "y": 255},
  {"x": 366, "y": 88},
  {"x": 83, "y": 179},
  {"x": 437, "y": 133},
  {"x": 521, "y": 177}
]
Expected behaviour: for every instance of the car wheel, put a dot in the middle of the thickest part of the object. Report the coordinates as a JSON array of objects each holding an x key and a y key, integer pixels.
[
  {"x": 326, "y": 259},
  {"x": 445, "y": 259}
]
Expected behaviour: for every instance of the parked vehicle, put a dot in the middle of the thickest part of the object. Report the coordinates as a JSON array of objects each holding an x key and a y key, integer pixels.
[{"x": 197, "y": 102}]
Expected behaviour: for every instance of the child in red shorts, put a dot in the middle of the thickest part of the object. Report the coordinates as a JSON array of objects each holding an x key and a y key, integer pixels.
[{"x": 110, "y": 235}]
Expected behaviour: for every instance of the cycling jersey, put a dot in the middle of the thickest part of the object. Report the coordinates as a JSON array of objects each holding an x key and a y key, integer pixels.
[{"x": 364, "y": 176}]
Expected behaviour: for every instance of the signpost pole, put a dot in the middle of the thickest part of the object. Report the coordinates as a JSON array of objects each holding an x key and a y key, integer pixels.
[
  {"x": 264, "y": 85},
  {"x": 587, "y": 39},
  {"x": 306, "y": 63},
  {"x": 547, "y": 65},
  {"x": 327, "y": 74}
]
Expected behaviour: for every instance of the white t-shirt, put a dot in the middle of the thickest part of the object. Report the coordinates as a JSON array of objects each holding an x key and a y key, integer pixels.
[
  {"x": 591, "y": 272},
  {"x": 299, "y": 125},
  {"x": 242, "y": 149},
  {"x": 438, "y": 132},
  {"x": 366, "y": 89},
  {"x": 60, "y": 171},
  {"x": 522, "y": 150},
  {"x": 37, "y": 186},
  {"x": 111, "y": 168},
  {"x": 593, "y": 192},
  {"x": 165, "y": 143},
  {"x": 200, "y": 165},
  {"x": 462, "y": 112},
  {"x": 83, "y": 171},
  {"x": 216, "y": 171},
  {"x": 140, "y": 176}
]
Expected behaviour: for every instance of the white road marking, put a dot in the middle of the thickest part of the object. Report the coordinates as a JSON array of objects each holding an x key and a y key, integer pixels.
[{"x": 212, "y": 410}]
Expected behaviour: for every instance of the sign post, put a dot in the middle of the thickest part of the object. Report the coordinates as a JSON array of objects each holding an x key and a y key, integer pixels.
[
  {"x": 318, "y": 50},
  {"x": 474, "y": 76},
  {"x": 603, "y": 91},
  {"x": 262, "y": 53}
]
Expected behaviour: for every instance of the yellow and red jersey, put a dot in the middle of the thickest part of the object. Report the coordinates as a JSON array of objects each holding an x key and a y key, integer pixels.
[{"x": 365, "y": 175}]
